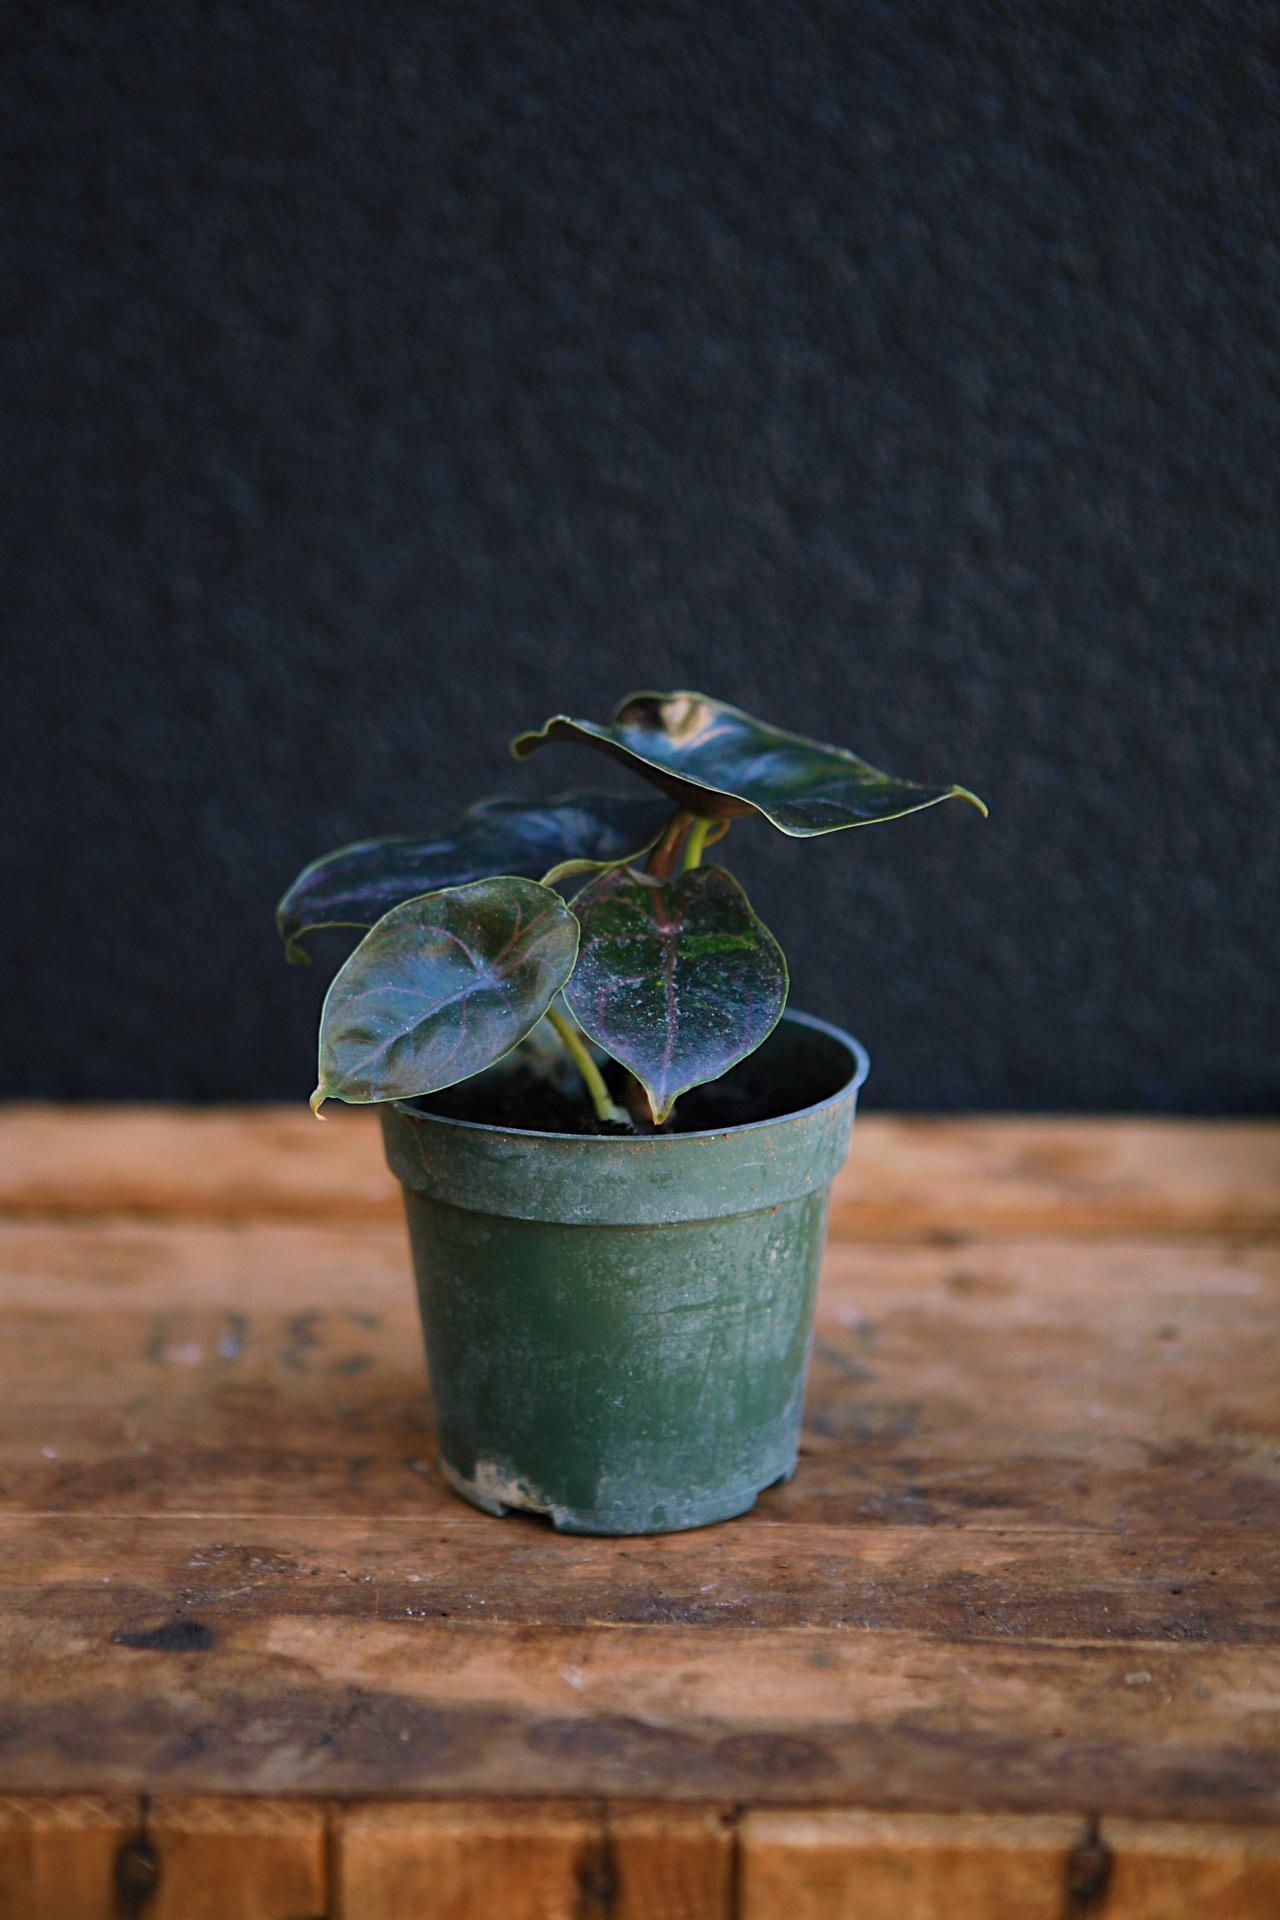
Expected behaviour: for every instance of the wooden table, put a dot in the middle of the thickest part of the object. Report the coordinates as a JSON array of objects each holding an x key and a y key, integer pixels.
[{"x": 1006, "y": 1646}]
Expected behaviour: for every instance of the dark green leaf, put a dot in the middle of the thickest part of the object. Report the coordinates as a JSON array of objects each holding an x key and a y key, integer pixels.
[
  {"x": 442, "y": 987},
  {"x": 713, "y": 759},
  {"x": 355, "y": 886},
  {"x": 677, "y": 979}
]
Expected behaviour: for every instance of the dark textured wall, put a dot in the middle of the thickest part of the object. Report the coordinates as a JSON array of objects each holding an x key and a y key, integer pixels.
[{"x": 382, "y": 378}]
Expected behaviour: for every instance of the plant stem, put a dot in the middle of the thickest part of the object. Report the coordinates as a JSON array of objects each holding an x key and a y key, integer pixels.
[
  {"x": 663, "y": 857},
  {"x": 697, "y": 840},
  {"x": 593, "y": 1079}
]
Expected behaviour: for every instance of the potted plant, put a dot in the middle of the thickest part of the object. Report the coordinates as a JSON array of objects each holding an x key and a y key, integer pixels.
[{"x": 615, "y": 1146}]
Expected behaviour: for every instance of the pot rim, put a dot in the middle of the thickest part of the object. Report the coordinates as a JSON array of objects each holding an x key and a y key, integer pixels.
[{"x": 861, "y": 1067}]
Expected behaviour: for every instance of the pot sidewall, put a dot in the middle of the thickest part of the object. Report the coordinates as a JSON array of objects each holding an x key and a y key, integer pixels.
[{"x": 618, "y": 1329}]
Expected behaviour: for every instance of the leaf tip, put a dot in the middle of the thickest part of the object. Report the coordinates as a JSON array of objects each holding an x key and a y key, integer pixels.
[
  {"x": 963, "y": 793},
  {"x": 318, "y": 1099}
]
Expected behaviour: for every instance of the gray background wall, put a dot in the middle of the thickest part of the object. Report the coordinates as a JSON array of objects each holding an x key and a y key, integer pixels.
[{"x": 382, "y": 378}]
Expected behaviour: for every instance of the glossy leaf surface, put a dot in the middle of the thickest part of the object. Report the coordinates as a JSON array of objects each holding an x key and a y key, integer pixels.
[
  {"x": 442, "y": 987},
  {"x": 714, "y": 759},
  {"x": 677, "y": 979},
  {"x": 355, "y": 886}
]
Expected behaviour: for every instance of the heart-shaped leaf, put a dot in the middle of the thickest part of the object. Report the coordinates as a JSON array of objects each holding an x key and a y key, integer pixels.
[
  {"x": 355, "y": 886},
  {"x": 678, "y": 979},
  {"x": 442, "y": 987},
  {"x": 715, "y": 760}
]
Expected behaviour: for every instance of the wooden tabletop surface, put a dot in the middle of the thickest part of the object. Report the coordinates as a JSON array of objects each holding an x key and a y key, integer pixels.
[{"x": 1018, "y": 1614}]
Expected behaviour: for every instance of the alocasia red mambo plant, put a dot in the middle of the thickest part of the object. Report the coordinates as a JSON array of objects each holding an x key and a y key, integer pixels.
[{"x": 655, "y": 961}]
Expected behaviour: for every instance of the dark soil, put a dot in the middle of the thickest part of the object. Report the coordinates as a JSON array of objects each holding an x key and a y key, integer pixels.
[{"x": 525, "y": 1101}]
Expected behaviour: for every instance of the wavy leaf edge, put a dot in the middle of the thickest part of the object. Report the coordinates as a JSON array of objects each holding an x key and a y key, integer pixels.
[{"x": 590, "y": 732}]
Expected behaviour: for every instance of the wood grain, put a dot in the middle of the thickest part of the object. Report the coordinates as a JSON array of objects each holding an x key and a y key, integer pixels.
[
  {"x": 907, "y": 1177},
  {"x": 955, "y": 1584},
  {"x": 669, "y": 1863},
  {"x": 58, "y": 1855},
  {"x": 237, "y": 1860},
  {"x": 274, "y": 1368},
  {"x": 572, "y": 1861},
  {"x": 1164, "y": 1871},
  {"x": 1027, "y": 1572},
  {"x": 246, "y": 1859},
  {"x": 427, "y": 1707},
  {"x": 858, "y": 1866},
  {"x": 62, "y": 1857}
]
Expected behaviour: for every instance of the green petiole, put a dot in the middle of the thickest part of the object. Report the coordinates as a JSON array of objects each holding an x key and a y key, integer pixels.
[
  {"x": 693, "y": 846},
  {"x": 593, "y": 1079}
]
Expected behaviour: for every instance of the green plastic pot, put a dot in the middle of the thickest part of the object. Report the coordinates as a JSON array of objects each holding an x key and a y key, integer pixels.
[{"x": 617, "y": 1329}]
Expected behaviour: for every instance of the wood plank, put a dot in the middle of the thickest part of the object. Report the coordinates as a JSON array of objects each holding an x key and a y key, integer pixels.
[
  {"x": 908, "y": 1176},
  {"x": 1028, "y": 1564},
  {"x": 263, "y": 1860},
  {"x": 915, "y": 1175},
  {"x": 242, "y": 1859},
  {"x": 1122, "y": 1385},
  {"x": 202, "y": 1859},
  {"x": 405, "y": 1862},
  {"x": 1163, "y": 1870},
  {"x": 669, "y": 1863},
  {"x": 58, "y": 1855},
  {"x": 956, "y": 1585},
  {"x": 323, "y": 1706},
  {"x": 276, "y": 1368},
  {"x": 572, "y": 1861},
  {"x": 193, "y": 1162},
  {"x": 865, "y": 1866},
  {"x": 830, "y": 1865}
]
